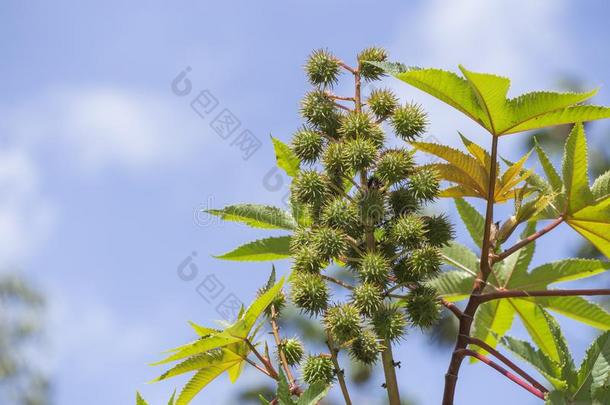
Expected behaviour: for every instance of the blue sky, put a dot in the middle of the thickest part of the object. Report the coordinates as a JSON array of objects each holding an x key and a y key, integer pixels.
[{"x": 102, "y": 167}]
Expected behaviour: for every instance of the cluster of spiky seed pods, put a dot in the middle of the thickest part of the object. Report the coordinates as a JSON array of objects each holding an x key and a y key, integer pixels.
[{"x": 363, "y": 202}]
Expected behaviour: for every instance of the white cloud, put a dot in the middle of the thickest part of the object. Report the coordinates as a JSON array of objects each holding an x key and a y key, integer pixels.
[
  {"x": 101, "y": 127},
  {"x": 26, "y": 215},
  {"x": 521, "y": 39}
]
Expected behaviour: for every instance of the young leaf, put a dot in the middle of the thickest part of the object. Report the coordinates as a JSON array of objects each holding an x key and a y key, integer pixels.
[
  {"x": 256, "y": 216},
  {"x": 272, "y": 248},
  {"x": 140, "y": 400},
  {"x": 575, "y": 168},
  {"x": 314, "y": 393},
  {"x": 601, "y": 186},
  {"x": 594, "y": 371},
  {"x": 199, "y": 381},
  {"x": 283, "y": 390},
  {"x": 551, "y": 174},
  {"x": 472, "y": 219},
  {"x": 547, "y": 367},
  {"x": 286, "y": 159}
]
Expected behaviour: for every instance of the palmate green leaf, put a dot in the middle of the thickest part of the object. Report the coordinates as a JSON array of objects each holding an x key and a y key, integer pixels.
[
  {"x": 285, "y": 157},
  {"x": 474, "y": 221},
  {"x": 242, "y": 327},
  {"x": 562, "y": 270},
  {"x": 140, "y": 400},
  {"x": 493, "y": 319},
  {"x": 483, "y": 98},
  {"x": 594, "y": 371},
  {"x": 575, "y": 166},
  {"x": 578, "y": 309},
  {"x": 256, "y": 216},
  {"x": 534, "y": 319},
  {"x": 283, "y": 390},
  {"x": 549, "y": 170},
  {"x": 547, "y": 367},
  {"x": 199, "y": 346},
  {"x": 272, "y": 248},
  {"x": 568, "y": 369},
  {"x": 314, "y": 393},
  {"x": 199, "y": 381},
  {"x": 452, "y": 285},
  {"x": 202, "y": 360}
]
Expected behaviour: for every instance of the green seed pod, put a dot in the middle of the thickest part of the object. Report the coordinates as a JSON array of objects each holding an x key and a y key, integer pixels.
[
  {"x": 309, "y": 292},
  {"x": 343, "y": 322},
  {"x": 394, "y": 166},
  {"x": 308, "y": 259},
  {"x": 367, "y": 297},
  {"x": 440, "y": 230},
  {"x": 403, "y": 201},
  {"x": 330, "y": 243},
  {"x": 409, "y": 231},
  {"x": 307, "y": 145},
  {"x": 340, "y": 214},
  {"x": 390, "y": 323},
  {"x": 425, "y": 184},
  {"x": 292, "y": 349},
  {"x": 371, "y": 206},
  {"x": 422, "y": 263},
  {"x": 366, "y": 347},
  {"x": 301, "y": 237},
  {"x": 322, "y": 68},
  {"x": 374, "y": 268},
  {"x": 310, "y": 187},
  {"x": 423, "y": 306},
  {"x": 361, "y": 153},
  {"x": 409, "y": 122},
  {"x": 382, "y": 102},
  {"x": 373, "y": 54},
  {"x": 357, "y": 124},
  {"x": 318, "y": 369},
  {"x": 319, "y": 109},
  {"x": 335, "y": 159}
]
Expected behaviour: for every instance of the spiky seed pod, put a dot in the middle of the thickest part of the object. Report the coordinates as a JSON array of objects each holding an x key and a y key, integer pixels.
[
  {"x": 423, "y": 306},
  {"x": 440, "y": 230},
  {"x": 307, "y": 145},
  {"x": 409, "y": 122},
  {"x": 424, "y": 262},
  {"x": 318, "y": 369},
  {"x": 322, "y": 68},
  {"x": 310, "y": 187},
  {"x": 301, "y": 237},
  {"x": 308, "y": 259},
  {"x": 377, "y": 136},
  {"x": 425, "y": 184},
  {"x": 309, "y": 292},
  {"x": 395, "y": 165},
  {"x": 366, "y": 347},
  {"x": 292, "y": 349},
  {"x": 403, "y": 201},
  {"x": 330, "y": 243},
  {"x": 367, "y": 297},
  {"x": 361, "y": 153},
  {"x": 409, "y": 231},
  {"x": 340, "y": 214},
  {"x": 319, "y": 109},
  {"x": 343, "y": 322},
  {"x": 373, "y": 54},
  {"x": 390, "y": 323},
  {"x": 382, "y": 102},
  {"x": 335, "y": 159},
  {"x": 371, "y": 206},
  {"x": 357, "y": 124},
  {"x": 374, "y": 268}
]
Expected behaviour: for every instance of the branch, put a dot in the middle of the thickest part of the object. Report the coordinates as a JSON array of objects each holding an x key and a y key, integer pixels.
[
  {"x": 266, "y": 362},
  {"x": 452, "y": 307},
  {"x": 278, "y": 344},
  {"x": 337, "y": 281},
  {"x": 528, "y": 240},
  {"x": 336, "y": 97},
  {"x": 540, "y": 293},
  {"x": 506, "y": 361},
  {"x": 333, "y": 355},
  {"x": 503, "y": 371}
]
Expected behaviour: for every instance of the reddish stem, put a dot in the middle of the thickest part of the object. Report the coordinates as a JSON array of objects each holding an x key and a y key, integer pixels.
[
  {"x": 541, "y": 293},
  {"x": 528, "y": 240},
  {"x": 503, "y": 371}
]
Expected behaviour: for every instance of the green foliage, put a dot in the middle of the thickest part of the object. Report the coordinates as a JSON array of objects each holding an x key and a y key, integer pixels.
[
  {"x": 483, "y": 98},
  {"x": 260, "y": 250},
  {"x": 256, "y": 216}
]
